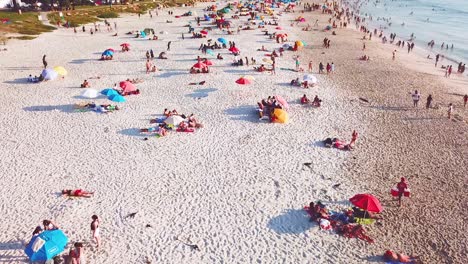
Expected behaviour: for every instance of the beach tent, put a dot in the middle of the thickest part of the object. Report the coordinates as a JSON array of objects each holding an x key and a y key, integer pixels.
[
  {"x": 60, "y": 70},
  {"x": 281, "y": 100},
  {"x": 89, "y": 93},
  {"x": 299, "y": 43},
  {"x": 174, "y": 120},
  {"x": 109, "y": 92},
  {"x": 46, "y": 245},
  {"x": 127, "y": 86},
  {"x": 280, "y": 116},
  {"x": 49, "y": 74},
  {"x": 310, "y": 78},
  {"x": 117, "y": 98},
  {"x": 367, "y": 202}
]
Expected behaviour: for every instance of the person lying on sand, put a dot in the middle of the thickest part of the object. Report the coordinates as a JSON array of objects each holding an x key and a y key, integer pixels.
[
  {"x": 77, "y": 193},
  {"x": 161, "y": 131},
  {"x": 85, "y": 84},
  {"x": 168, "y": 113},
  {"x": 397, "y": 257},
  {"x": 295, "y": 82},
  {"x": 192, "y": 122},
  {"x": 262, "y": 68},
  {"x": 162, "y": 56},
  {"x": 134, "y": 81}
]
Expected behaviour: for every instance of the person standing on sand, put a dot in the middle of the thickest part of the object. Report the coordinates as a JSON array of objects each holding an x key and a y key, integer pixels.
[
  {"x": 465, "y": 100},
  {"x": 429, "y": 101},
  {"x": 95, "y": 230},
  {"x": 332, "y": 67},
  {"x": 169, "y": 45},
  {"x": 363, "y": 46},
  {"x": 393, "y": 55},
  {"x": 354, "y": 137},
  {"x": 298, "y": 63},
  {"x": 44, "y": 62},
  {"x": 450, "y": 111},
  {"x": 273, "y": 68},
  {"x": 310, "y": 66},
  {"x": 416, "y": 96},
  {"x": 449, "y": 71},
  {"x": 148, "y": 66},
  {"x": 401, "y": 186},
  {"x": 437, "y": 59}
]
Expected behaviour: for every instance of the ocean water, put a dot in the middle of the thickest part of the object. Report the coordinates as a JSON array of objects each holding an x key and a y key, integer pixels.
[{"x": 444, "y": 21}]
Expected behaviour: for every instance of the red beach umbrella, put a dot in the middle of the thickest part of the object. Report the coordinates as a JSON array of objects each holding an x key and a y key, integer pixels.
[
  {"x": 125, "y": 45},
  {"x": 279, "y": 28},
  {"x": 204, "y": 32},
  {"x": 243, "y": 81},
  {"x": 111, "y": 49},
  {"x": 199, "y": 65},
  {"x": 234, "y": 49},
  {"x": 366, "y": 202},
  {"x": 208, "y": 62}
]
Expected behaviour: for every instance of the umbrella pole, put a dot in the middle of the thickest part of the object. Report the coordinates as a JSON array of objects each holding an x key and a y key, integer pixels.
[{"x": 365, "y": 211}]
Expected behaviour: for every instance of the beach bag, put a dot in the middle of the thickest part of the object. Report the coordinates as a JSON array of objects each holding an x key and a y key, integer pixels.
[
  {"x": 407, "y": 192},
  {"x": 394, "y": 192}
]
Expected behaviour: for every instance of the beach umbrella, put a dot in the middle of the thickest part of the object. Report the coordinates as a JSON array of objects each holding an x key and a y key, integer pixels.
[
  {"x": 243, "y": 81},
  {"x": 142, "y": 34},
  {"x": 46, "y": 245},
  {"x": 89, "y": 93},
  {"x": 174, "y": 120},
  {"x": 199, "y": 65},
  {"x": 328, "y": 27},
  {"x": 281, "y": 100},
  {"x": 310, "y": 78},
  {"x": 234, "y": 49},
  {"x": 204, "y": 32},
  {"x": 280, "y": 116},
  {"x": 366, "y": 202},
  {"x": 222, "y": 40},
  {"x": 107, "y": 53},
  {"x": 125, "y": 45},
  {"x": 117, "y": 98},
  {"x": 127, "y": 86},
  {"x": 210, "y": 51},
  {"x": 111, "y": 49},
  {"x": 109, "y": 92},
  {"x": 208, "y": 62},
  {"x": 299, "y": 43},
  {"x": 266, "y": 60},
  {"x": 279, "y": 28},
  {"x": 49, "y": 74},
  {"x": 60, "y": 70}
]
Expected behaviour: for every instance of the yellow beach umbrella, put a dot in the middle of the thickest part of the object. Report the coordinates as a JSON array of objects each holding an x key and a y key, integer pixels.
[{"x": 60, "y": 70}]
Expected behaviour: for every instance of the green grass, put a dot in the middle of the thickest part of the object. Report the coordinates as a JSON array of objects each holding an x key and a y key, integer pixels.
[{"x": 25, "y": 24}]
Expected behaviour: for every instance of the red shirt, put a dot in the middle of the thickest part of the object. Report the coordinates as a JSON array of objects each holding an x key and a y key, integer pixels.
[{"x": 402, "y": 186}]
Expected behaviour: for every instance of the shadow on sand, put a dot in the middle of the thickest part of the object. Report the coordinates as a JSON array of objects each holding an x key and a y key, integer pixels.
[
  {"x": 200, "y": 93},
  {"x": 291, "y": 221},
  {"x": 133, "y": 132},
  {"x": 46, "y": 108},
  {"x": 168, "y": 74},
  {"x": 243, "y": 112}
]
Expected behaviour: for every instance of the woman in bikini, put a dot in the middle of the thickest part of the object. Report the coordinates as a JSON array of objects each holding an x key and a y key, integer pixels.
[
  {"x": 77, "y": 193},
  {"x": 77, "y": 254},
  {"x": 95, "y": 230}
]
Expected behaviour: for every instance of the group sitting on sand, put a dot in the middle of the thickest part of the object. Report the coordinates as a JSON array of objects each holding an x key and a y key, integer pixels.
[
  {"x": 317, "y": 102},
  {"x": 106, "y": 57},
  {"x": 186, "y": 124},
  {"x": 340, "y": 144}
]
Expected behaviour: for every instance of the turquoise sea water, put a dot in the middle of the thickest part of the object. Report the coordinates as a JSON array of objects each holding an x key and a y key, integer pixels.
[{"x": 439, "y": 20}]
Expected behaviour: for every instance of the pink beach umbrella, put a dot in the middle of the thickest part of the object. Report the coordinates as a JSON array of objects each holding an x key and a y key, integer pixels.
[
  {"x": 127, "y": 86},
  {"x": 208, "y": 62},
  {"x": 282, "y": 101},
  {"x": 199, "y": 65}
]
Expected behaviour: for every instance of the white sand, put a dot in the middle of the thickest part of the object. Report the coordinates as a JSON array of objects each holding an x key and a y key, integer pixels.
[{"x": 235, "y": 188}]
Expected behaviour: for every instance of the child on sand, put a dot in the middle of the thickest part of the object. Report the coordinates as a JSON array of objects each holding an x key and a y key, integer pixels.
[
  {"x": 465, "y": 100},
  {"x": 450, "y": 111},
  {"x": 401, "y": 186}
]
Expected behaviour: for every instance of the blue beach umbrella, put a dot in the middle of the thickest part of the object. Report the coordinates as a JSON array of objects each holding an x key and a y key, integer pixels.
[
  {"x": 117, "y": 98},
  {"x": 210, "y": 51},
  {"x": 46, "y": 245},
  {"x": 49, "y": 74},
  {"x": 107, "y": 53},
  {"x": 109, "y": 92},
  {"x": 222, "y": 40}
]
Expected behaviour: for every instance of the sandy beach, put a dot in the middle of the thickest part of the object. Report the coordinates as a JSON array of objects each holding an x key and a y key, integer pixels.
[{"x": 236, "y": 188}]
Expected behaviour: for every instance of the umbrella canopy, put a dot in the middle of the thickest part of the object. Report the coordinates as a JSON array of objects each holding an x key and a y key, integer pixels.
[
  {"x": 107, "y": 53},
  {"x": 208, "y": 62},
  {"x": 60, "y": 70},
  {"x": 89, "y": 93},
  {"x": 142, "y": 34},
  {"x": 366, "y": 202},
  {"x": 125, "y": 45},
  {"x": 299, "y": 43},
  {"x": 204, "y": 32},
  {"x": 49, "y": 74},
  {"x": 281, "y": 100},
  {"x": 127, "y": 86},
  {"x": 109, "y": 92},
  {"x": 222, "y": 40},
  {"x": 174, "y": 120},
  {"x": 117, "y": 98},
  {"x": 46, "y": 245},
  {"x": 280, "y": 116},
  {"x": 243, "y": 81},
  {"x": 199, "y": 65},
  {"x": 111, "y": 49},
  {"x": 310, "y": 78},
  {"x": 234, "y": 49}
]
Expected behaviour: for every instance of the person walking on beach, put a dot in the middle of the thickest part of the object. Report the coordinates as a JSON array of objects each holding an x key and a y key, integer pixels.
[
  {"x": 273, "y": 68},
  {"x": 416, "y": 96},
  {"x": 169, "y": 45},
  {"x": 401, "y": 186},
  {"x": 44, "y": 62},
  {"x": 148, "y": 66},
  {"x": 363, "y": 46},
  {"x": 310, "y": 66},
  {"x": 320, "y": 67},
  {"x": 437, "y": 59},
  {"x": 77, "y": 254},
  {"x": 354, "y": 137},
  {"x": 95, "y": 230},
  {"x": 151, "y": 53},
  {"x": 465, "y": 100},
  {"x": 449, "y": 71},
  {"x": 429, "y": 101},
  {"x": 298, "y": 63},
  {"x": 393, "y": 55},
  {"x": 450, "y": 111}
]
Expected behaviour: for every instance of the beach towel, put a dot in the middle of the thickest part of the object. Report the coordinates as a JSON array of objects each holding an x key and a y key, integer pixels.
[{"x": 364, "y": 221}]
